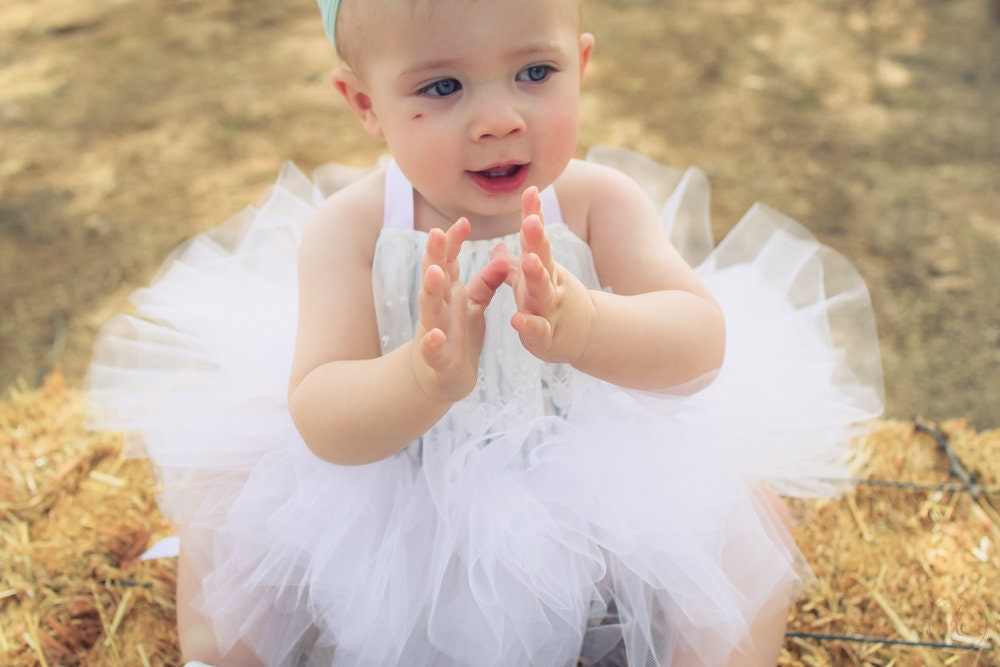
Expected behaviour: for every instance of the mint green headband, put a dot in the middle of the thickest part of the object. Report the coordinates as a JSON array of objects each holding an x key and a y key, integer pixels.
[{"x": 328, "y": 8}]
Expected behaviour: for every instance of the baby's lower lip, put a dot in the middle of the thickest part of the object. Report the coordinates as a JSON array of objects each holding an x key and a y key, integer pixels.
[{"x": 501, "y": 180}]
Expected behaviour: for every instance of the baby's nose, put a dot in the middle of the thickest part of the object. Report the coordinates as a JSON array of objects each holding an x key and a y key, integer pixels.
[{"x": 496, "y": 116}]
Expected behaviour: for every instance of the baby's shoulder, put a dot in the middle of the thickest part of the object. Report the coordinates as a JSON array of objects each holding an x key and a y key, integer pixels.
[
  {"x": 348, "y": 221},
  {"x": 581, "y": 177},
  {"x": 358, "y": 205},
  {"x": 592, "y": 194}
]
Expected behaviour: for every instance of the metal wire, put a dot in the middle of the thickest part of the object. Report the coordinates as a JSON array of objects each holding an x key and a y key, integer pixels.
[
  {"x": 861, "y": 639},
  {"x": 968, "y": 484},
  {"x": 974, "y": 489}
]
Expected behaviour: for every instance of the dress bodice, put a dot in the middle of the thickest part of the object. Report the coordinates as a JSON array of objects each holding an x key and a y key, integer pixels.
[{"x": 512, "y": 382}]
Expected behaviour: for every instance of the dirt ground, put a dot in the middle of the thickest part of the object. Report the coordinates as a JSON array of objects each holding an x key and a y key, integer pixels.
[{"x": 128, "y": 125}]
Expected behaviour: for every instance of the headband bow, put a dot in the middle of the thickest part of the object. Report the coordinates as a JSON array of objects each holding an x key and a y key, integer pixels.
[{"x": 328, "y": 8}]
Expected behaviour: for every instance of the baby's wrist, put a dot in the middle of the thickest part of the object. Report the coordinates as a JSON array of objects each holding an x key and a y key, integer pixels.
[
  {"x": 584, "y": 330},
  {"x": 582, "y": 325},
  {"x": 424, "y": 378}
]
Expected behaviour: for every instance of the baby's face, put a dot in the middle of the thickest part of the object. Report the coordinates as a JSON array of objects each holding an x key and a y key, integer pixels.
[{"x": 477, "y": 99}]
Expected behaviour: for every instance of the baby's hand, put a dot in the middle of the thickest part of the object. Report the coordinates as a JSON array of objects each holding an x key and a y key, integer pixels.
[
  {"x": 449, "y": 336},
  {"x": 554, "y": 309}
]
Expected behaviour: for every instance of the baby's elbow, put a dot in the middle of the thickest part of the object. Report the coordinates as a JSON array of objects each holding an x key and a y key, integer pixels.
[
  {"x": 711, "y": 357},
  {"x": 312, "y": 431},
  {"x": 338, "y": 454},
  {"x": 331, "y": 444},
  {"x": 333, "y": 450}
]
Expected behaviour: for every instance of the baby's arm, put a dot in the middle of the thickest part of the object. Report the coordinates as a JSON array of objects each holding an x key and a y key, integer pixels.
[
  {"x": 350, "y": 404},
  {"x": 660, "y": 327}
]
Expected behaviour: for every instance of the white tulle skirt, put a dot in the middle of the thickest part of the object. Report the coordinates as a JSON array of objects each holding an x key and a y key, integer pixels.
[{"x": 636, "y": 518}]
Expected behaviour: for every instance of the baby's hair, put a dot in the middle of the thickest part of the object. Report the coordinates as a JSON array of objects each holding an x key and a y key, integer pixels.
[
  {"x": 357, "y": 21},
  {"x": 356, "y": 24}
]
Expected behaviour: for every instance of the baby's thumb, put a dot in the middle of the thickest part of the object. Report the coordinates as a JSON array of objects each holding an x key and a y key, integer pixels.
[
  {"x": 484, "y": 285},
  {"x": 532, "y": 329}
]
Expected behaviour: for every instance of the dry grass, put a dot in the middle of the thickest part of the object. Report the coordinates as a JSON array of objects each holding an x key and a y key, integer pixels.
[
  {"x": 74, "y": 517},
  {"x": 912, "y": 564}
]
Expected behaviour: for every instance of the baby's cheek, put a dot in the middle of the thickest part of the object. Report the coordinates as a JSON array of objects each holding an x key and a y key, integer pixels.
[{"x": 562, "y": 127}]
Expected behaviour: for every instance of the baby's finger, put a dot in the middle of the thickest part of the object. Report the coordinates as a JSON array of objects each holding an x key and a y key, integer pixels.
[
  {"x": 436, "y": 251},
  {"x": 431, "y": 348},
  {"x": 534, "y": 331},
  {"x": 535, "y": 240},
  {"x": 513, "y": 263},
  {"x": 455, "y": 236},
  {"x": 531, "y": 203},
  {"x": 537, "y": 291},
  {"x": 484, "y": 285},
  {"x": 434, "y": 297}
]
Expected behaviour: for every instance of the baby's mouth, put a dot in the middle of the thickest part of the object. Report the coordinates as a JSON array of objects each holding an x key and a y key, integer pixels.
[
  {"x": 501, "y": 179},
  {"x": 505, "y": 171}
]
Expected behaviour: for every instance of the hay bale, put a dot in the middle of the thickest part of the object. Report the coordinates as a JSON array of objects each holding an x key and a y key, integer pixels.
[
  {"x": 74, "y": 517},
  {"x": 920, "y": 564},
  {"x": 917, "y": 564}
]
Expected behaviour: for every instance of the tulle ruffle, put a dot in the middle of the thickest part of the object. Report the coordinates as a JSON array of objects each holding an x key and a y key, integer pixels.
[{"x": 515, "y": 540}]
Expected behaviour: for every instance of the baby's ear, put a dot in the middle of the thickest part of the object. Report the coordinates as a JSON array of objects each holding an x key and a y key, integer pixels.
[
  {"x": 353, "y": 90},
  {"x": 586, "y": 49}
]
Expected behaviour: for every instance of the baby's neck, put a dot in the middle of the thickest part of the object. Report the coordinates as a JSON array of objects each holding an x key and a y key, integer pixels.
[{"x": 426, "y": 217}]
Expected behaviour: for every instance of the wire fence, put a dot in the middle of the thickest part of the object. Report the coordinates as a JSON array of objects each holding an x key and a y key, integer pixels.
[
  {"x": 968, "y": 483},
  {"x": 889, "y": 641}
]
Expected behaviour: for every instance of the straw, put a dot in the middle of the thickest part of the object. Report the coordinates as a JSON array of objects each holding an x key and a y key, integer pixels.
[{"x": 918, "y": 562}]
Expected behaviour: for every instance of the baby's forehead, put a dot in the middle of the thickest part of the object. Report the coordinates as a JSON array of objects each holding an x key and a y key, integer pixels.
[{"x": 352, "y": 10}]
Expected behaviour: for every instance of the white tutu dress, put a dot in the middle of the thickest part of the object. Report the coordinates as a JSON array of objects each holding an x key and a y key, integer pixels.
[{"x": 549, "y": 515}]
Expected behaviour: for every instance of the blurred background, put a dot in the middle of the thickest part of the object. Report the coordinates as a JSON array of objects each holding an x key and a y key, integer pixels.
[{"x": 128, "y": 125}]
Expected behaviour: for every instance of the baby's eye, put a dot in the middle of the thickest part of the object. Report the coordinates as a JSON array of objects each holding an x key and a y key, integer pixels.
[
  {"x": 442, "y": 88},
  {"x": 535, "y": 73}
]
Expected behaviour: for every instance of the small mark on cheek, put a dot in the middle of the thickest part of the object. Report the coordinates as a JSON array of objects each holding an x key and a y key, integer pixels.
[{"x": 417, "y": 117}]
